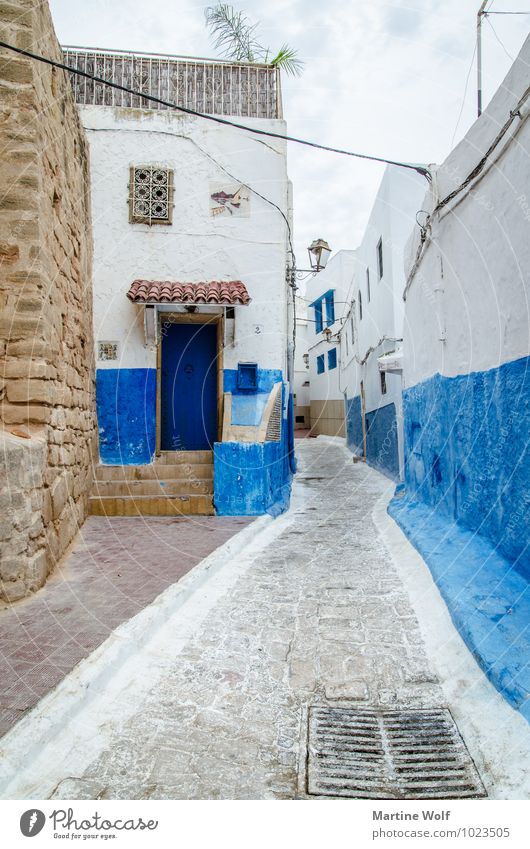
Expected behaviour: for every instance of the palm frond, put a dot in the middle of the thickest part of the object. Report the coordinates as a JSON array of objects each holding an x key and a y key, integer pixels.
[
  {"x": 234, "y": 37},
  {"x": 287, "y": 59},
  {"x": 232, "y": 32}
]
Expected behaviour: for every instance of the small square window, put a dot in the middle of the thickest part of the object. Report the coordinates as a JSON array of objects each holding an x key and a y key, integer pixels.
[
  {"x": 150, "y": 195},
  {"x": 247, "y": 376},
  {"x": 321, "y": 366},
  {"x": 332, "y": 359}
]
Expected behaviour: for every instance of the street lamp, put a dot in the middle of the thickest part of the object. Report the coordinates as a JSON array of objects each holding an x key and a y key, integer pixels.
[{"x": 319, "y": 252}]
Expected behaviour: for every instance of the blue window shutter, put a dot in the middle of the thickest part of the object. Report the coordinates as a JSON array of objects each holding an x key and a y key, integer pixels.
[
  {"x": 319, "y": 325},
  {"x": 332, "y": 358},
  {"x": 321, "y": 367},
  {"x": 330, "y": 309}
]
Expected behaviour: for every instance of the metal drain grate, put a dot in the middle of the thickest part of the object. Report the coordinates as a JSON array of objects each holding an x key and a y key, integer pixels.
[{"x": 393, "y": 754}]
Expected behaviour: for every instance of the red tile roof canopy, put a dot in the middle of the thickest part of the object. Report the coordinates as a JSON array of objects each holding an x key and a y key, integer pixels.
[{"x": 230, "y": 292}]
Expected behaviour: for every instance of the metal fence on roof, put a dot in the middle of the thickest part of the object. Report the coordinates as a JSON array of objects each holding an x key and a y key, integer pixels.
[{"x": 215, "y": 88}]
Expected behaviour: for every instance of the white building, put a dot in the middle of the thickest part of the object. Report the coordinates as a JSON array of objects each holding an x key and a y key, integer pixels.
[
  {"x": 328, "y": 293},
  {"x": 371, "y": 336},
  {"x": 191, "y": 314}
]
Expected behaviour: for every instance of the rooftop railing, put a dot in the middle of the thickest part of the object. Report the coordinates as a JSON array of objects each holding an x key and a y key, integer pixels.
[{"x": 213, "y": 87}]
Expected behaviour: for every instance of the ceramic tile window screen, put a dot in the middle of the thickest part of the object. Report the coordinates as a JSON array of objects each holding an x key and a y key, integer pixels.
[
  {"x": 151, "y": 195},
  {"x": 107, "y": 351}
]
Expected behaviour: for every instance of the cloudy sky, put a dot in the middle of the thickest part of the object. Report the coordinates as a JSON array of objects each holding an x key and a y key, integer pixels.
[{"x": 386, "y": 78}]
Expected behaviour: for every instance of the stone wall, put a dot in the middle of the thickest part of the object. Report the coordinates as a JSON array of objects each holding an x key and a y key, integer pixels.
[{"x": 47, "y": 411}]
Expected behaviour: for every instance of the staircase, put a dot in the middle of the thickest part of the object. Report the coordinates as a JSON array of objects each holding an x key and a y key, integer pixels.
[{"x": 178, "y": 483}]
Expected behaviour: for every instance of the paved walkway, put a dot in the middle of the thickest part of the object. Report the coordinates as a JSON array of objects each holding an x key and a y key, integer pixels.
[
  {"x": 115, "y": 569},
  {"x": 316, "y": 610}
]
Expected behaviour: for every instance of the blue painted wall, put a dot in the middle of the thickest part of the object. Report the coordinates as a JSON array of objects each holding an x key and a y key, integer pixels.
[
  {"x": 248, "y": 409},
  {"x": 126, "y": 410},
  {"x": 382, "y": 449},
  {"x": 354, "y": 425},
  {"x": 467, "y": 453},
  {"x": 251, "y": 478},
  {"x": 267, "y": 377},
  {"x": 382, "y": 441},
  {"x": 487, "y": 598},
  {"x": 465, "y": 507}
]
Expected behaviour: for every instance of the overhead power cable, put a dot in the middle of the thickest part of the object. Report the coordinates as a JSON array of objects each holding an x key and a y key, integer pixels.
[
  {"x": 473, "y": 174},
  {"x": 421, "y": 169},
  {"x": 494, "y": 31}
]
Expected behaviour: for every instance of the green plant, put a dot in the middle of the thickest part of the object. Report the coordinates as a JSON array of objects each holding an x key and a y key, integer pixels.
[{"x": 235, "y": 37}]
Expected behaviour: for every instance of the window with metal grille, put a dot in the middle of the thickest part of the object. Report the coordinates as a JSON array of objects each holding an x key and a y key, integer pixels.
[{"x": 151, "y": 195}]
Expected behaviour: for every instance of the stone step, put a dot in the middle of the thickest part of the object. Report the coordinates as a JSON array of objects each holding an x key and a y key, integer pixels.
[
  {"x": 177, "y": 457},
  {"x": 124, "y": 488},
  {"x": 154, "y": 471},
  {"x": 146, "y": 505}
]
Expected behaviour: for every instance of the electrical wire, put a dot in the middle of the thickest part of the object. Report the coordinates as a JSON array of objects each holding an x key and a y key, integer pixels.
[
  {"x": 514, "y": 113},
  {"x": 494, "y": 31},
  {"x": 465, "y": 93},
  {"x": 421, "y": 169}
]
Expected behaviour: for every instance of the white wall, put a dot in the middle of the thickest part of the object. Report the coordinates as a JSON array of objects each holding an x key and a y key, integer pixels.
[
  {"x": 338, "y": 276},
  {"x": 392, "y": 217},
  {"x": 196, "y": 246},
  {"x": 380, "y": 330},
  {"x": 467, "y": 306}
]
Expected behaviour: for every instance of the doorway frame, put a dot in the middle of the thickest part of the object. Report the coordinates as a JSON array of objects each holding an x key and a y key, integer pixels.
[{"x": 189, "y": 318}]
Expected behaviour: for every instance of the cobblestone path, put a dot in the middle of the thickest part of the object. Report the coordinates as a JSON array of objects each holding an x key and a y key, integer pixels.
[{"x": 319, "y": 617}]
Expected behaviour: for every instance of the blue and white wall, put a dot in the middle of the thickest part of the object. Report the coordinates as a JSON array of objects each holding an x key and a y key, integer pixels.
[
  {"x": 466, "y": 499},
  {"x": 195, "y": 247},
  {"x": 373, "y": 325}
]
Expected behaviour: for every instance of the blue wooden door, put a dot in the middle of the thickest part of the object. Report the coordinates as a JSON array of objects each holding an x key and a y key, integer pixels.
[{"x": 188, "y": 387}]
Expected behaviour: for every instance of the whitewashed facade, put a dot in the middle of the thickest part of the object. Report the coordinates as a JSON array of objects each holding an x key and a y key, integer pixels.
[
  {"x": 328, "y": 293},
  {"x": 372, "y": 332},
  {"x": 225, "y": 199},
  {"x": 465, "y": 502}
]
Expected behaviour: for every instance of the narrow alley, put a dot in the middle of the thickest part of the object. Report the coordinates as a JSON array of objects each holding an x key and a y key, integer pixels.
[{"x": 324, "y": 607}]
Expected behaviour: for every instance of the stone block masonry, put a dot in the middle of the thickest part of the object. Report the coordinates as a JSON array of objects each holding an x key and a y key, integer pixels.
[{"x": 47, "y": 408}]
